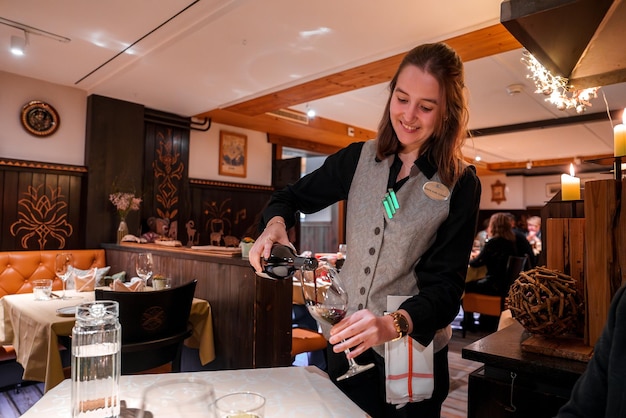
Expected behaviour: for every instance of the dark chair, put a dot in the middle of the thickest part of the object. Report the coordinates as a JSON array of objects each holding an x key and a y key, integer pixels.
[
  {"x": 154, "y": 326},
  {"x": 488, "y": 304}
]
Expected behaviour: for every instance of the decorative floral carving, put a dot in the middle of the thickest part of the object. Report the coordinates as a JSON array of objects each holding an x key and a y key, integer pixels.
[
  {"x": 42, "y": 217},
  {"x": 169, "y": 170}
]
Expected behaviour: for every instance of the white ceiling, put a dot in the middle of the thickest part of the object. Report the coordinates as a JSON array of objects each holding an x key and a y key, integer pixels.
[{"x": 188, "y": 57}]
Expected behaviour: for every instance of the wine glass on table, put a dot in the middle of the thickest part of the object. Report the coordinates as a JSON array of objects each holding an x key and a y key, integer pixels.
[
  {"x": 63, "y": 265},
  {"x": 327, "y": 301},
  {"x": 177, "y": 398},
  {"x": 144, "y": 266}
]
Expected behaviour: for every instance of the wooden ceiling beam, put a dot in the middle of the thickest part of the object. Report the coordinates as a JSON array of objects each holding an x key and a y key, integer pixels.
[
  {"x": 470, "y": 46},
  {"x": 320, "y": 130},
  {"x": 554, "y": 162}
]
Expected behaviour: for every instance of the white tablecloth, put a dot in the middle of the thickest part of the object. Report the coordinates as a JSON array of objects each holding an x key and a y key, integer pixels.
[
  {"x": 289, "y": 391},
  {"x": 33, "y": 328}
]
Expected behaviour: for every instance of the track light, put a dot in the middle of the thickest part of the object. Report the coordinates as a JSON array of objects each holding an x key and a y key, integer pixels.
[
  {"x": 18, "y": 45},
  {"x": 529, "y": 165}
]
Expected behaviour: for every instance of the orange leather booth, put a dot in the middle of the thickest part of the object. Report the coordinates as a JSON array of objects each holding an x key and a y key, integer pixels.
[{"x": 18, "y": 269}]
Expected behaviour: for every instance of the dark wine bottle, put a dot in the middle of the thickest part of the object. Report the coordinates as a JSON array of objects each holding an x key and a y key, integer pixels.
[{"x": 283, "y": 262}]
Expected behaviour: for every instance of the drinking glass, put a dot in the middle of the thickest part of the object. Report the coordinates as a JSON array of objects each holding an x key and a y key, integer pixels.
[
  {"x": 343, "y": 250},
  {"x": 326, "y": 299},
  {"x": 42, "y": 289},
  {"x": 178, "y": 398},
  {"x": 63, "y": 268},
  {"x": 144, "y": 266},
  {"x": 240, "y": 405},
  {"x": 342, "y": 253}
]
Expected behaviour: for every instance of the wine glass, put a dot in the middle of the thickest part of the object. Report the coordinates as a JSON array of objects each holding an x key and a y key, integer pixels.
[
  {"x": 327, "y": 300},
  {"x": 63, "y": 268},
  {"x": 178, "y": 398},
  {"x": 144, "y": 266},
  {"x": 341, "y": 256}
]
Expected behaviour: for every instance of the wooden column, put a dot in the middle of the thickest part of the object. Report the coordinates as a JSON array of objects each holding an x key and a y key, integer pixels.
[
  {"x": 604, "y": 250},
  {"x": 566, "y": 250},
  {"x": 621, "y": 250}
]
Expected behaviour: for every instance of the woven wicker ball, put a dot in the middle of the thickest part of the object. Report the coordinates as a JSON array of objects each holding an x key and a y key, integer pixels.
[{"x": 546, "y": 302}]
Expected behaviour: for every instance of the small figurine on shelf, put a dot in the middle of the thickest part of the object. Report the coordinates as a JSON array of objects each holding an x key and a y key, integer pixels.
[
  {"x": 245, "y": 245},
  {"x": 158, "y": 229}
]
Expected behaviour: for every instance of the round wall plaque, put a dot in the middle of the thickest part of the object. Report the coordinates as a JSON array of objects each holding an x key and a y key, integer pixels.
[{"x": 39, "y": 118}]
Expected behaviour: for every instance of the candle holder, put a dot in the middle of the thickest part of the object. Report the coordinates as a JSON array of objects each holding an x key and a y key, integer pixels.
[{"x": 617, "y": 168}]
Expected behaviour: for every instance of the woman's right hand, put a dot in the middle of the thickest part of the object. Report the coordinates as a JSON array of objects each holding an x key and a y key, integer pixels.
[{"x": 275, "y": 231}]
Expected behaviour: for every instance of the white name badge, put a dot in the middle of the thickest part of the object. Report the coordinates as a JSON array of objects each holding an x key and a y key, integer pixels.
[{"x": 436, "y": 190}]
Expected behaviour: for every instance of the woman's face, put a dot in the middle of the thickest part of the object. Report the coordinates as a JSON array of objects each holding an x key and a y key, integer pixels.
[{"x": 415, "y": 106}]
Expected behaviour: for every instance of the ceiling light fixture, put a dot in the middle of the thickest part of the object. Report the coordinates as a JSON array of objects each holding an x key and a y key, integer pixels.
[
  {"x": 310, "y": 112},
  {"x": 18, "y": 45},
  {"x": 560, "y": 93},
  {"x": 32, "y": 30},
  {"x": 514, "y": 89}
]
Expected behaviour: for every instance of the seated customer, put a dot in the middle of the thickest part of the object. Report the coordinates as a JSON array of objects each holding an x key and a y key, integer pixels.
[
  {"x": 523, "y": 246},
  {"x": 600, "y": 391},
  {"x": 533, "y": 236},
  {"x": 495, "y": 255}
]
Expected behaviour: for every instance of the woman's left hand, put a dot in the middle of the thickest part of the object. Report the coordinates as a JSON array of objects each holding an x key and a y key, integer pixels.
[{"x": 361, "y": 330}]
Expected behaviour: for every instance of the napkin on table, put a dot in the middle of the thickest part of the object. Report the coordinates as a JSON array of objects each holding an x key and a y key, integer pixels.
[
  {"x": 136, "y": 285},
  {"x": 86, "y": 282}
]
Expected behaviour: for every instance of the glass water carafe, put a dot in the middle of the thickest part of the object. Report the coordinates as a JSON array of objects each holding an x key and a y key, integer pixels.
[{"x": 96, "y": 360}]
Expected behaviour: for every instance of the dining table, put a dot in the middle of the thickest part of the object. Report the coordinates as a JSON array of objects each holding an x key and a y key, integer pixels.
[
  {"x": 289, "y": 392},
  {"x": 33, "y": 327}
]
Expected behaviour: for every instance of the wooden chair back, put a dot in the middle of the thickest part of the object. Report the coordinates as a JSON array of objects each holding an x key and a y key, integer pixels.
[{"x": 154, "y": 325}]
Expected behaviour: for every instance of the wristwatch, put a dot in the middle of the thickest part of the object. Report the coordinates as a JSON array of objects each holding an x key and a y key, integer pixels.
[{"x": 400, "y": 323}]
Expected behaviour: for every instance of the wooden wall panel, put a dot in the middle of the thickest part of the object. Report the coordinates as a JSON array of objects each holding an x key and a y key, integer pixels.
[
  {"x": 41, "y": 206},
  {"x": 251, "y": 315},
  {"x": 165, "y": 185},
  {"x": 602, "y": 272},
  {"x": 114, "y": 158},
  {"x": 223, "y": 210}
]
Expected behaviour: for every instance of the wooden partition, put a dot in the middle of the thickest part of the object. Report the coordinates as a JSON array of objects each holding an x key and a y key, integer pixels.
[
  {"x": 605, "y": 270},
  {"x": 251, "y": 314}
]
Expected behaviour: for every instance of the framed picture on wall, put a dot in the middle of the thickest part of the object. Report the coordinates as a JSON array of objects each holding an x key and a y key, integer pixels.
[
  {"x": 552, "y": 189},
  {"x": 233, "y": 154}
]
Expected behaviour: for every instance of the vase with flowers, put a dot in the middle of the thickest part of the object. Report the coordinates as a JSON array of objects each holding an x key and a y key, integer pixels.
[{"x": 124, "y": 202}]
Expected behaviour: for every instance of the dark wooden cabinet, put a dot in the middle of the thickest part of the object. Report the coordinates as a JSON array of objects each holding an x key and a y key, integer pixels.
[
  {"x": 514, "y": 383},
  {"x": 251, "y": 314}
]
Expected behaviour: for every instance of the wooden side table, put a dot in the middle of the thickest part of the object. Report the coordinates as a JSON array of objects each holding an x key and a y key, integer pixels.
[{"x": 514, "y": 383}]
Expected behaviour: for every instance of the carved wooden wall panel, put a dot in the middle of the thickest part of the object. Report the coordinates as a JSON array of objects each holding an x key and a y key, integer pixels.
[
  {"x": 224, "y": 212},
  {"x": 166, "y": 164},
  {"x": 42, "y": 206}
]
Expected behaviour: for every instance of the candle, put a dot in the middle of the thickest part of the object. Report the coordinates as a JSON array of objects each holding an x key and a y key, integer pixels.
[
  {"x": 570, "y": 185},
  {"x": 619, "y": 137}
]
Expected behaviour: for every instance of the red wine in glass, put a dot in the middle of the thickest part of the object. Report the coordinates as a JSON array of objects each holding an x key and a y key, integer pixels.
[
  {"x": 327, "y": 300},
  {"x": 330, "y": 315}
]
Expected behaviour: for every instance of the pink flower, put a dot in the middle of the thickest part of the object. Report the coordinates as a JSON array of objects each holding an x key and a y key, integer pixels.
[{"x": 124, "y": 202}]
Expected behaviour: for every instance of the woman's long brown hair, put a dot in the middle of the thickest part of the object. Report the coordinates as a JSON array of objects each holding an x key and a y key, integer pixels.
[
  {"x": 444, "y": 146},
  {"x": 500, "y": 226}
]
